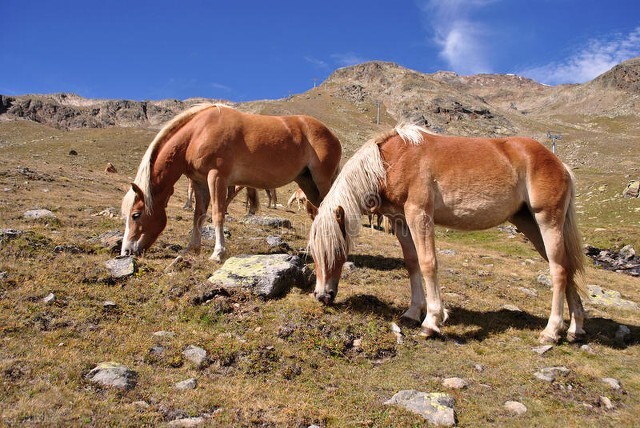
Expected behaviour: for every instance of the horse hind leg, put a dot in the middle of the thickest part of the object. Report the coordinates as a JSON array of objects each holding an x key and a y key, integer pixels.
[{"x": 218, "y": 189}]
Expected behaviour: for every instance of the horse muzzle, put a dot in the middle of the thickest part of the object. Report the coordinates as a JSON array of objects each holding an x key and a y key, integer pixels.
[{"x": 325, "y": 297}]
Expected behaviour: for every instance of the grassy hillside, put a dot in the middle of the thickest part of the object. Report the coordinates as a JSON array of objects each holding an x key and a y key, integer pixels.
[{"x": 292, "y": 362}]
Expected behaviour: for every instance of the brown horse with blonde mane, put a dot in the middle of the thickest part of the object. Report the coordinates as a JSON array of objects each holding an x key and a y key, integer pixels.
[
  {"x": 419, "y": 180},
  {"x": 217, "y": 146}
]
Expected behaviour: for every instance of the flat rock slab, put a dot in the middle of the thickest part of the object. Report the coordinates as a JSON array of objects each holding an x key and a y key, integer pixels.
[
  {"x": 436, "y": 407},
  {"x": 603, "y": 297},
  {"x": 121, "y": 267},
  {"x": 267, "y": 221},
  {"x": 8, "y": 234},
  {"x": 112, "y": 375},
  {"x": 549, "y": 374},
  {"x": 270, "y": 275}
]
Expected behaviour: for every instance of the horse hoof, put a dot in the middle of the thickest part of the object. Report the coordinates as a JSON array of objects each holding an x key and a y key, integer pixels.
[
  {"x": 409, "y": 322},
  {"x": 429, "y": 333},
  {"x": 576, "y": 337},
  {"x": 545, "y": 339}
]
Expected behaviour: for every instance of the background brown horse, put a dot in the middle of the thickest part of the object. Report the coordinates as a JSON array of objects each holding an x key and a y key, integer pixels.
[
  {"x": 217, "y": 146},
  {"x": 419, "y": 180}
]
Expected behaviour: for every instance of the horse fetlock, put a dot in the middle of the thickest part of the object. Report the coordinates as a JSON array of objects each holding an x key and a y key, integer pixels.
[
  {"x": 430, "y": 332},
  {"x": 550, "y": 338},
  {"x": 412, "y": 315},
  {"x": 576, "y": 336},
  {"x": 219, "y": 254}
]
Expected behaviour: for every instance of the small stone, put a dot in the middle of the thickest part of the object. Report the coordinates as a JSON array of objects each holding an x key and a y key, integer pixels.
[
  {"x": 512, "y": 308},
  {"x": 549, "y": 374},
  {"x": 196, "y": 355},
  {"x": 613, "y": 383},
  {"x": 164, "y": 334},
  {"x": 357, "y": 344},
  {"x": 606, "y": 403},
  {"x": 528, "y": 291},
  {"x": 541, "y": 349},
  {"x": 622, "y": 333},
  {"x": 113, "y": 375},
  {"x": 544, "y": 280},
  {"x": 586, "y": 348},
  {"x": 479, "y": 368},
  {"x": 157, "y": 350},
  {"x": 627, "y": 252},
  {"x": 108, "y": 304},
  {"x": 50, "y": 298},
  {"x": 447, "y": 252},
  {"x": 515, "y": 407},
  {"x": 187, "y": 384},
  {"x": 142, "y": 404},
  {"x": 187, "y": 422},
  {"x": 455, "y": 383},
  {"x": 275, "y": 241}
]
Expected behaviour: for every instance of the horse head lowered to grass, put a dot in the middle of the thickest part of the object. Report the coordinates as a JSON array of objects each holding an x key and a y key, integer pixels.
[
  {"x": 419, "y": 179},
  {"x": 217, "y": 146}
]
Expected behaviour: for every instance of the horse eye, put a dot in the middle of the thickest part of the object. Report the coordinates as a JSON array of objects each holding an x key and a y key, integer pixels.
[{"x": 136, "y": 216}]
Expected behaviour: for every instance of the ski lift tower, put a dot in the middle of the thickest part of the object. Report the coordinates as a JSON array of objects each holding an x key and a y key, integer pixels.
[{"x": 553, "y": 138}]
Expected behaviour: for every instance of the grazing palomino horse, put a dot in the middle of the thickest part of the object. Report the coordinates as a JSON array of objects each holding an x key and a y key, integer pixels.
[
  {"x": 299, "y": 197},
  {"x": 419, "y": 179},
  {"x": 217, "y": 146}
]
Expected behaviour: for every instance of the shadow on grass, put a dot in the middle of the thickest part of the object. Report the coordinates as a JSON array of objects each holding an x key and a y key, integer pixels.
[
  {"x": 600, "y": 331},
  {"x": 377, "y": 262}
]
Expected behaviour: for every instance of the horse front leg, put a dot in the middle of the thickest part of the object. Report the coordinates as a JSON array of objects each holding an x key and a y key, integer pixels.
[
  {"x": 218, "y": 191},
  {"x": 418, "y": 304},
  {"x": 202, "y": 198},
  {"x": 421, "y": 225}
]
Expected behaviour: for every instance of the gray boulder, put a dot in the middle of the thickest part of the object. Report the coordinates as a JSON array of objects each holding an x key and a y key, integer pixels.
[
  {"x": 269, "y": 275},
  {"x": 267, "y": 221},
  {"x": 437, "y": 408},
  {"x": 197, "y": 355},
  {"x": 112, "y": 375},
  {"x": 603, "y": 297},
  {"x": 40, "y": 214}
]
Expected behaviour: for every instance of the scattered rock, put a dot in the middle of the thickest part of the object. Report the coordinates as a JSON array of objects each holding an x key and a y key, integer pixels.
[
  {"x": 267, "y": 221},
  {"x": 113, "y": 375},
  {"x": 111, "y": 240},
  {"x": 544, "y": 280},
  {"x": 275, "y": 241},
  {"x": 447, "y": 252},
  {"x": 50, "y": 298},
  {"x": 71, "y": 249},
  {"x": 632, "y": 190},
  {"x": 187, "y": 422},
  {"x": 602, "y": 296},
  {"x": 586, "y": 348},
  {"x": 515, "y": 407},
  {"x": 528, "y": 291},
  {"x": 395, "y": 329},
  {"x": 196, "y": 355},
  {"x": 624, "y": 261},
  {"x": 479, "y": 368},
  {"x": 613, "y": 383},
  {"x": 549, "y": 374},
  {"x": 269, "y": 275},
  {"x": 108, "y": 305},
  {"x": 623, "y": 333},
  {"x": 542, "y": 349},
  {"x": 40, "y": 214},
  {"x": 121, "y": 266},
  {"x": 606, "y": 403},
  {"x": 108, "y": 212},
  {"x": 348, "y": 268},
  {"x": 455, "y": 383},
  {"x": 187, "y": 384},
  {"x": 512, "y": 308},
  {"x": 437, "y": 408},
  {"x": 73, "y": 153},
  {"x": 164, "y": 334},
  {"x": 8, "y": 234}
]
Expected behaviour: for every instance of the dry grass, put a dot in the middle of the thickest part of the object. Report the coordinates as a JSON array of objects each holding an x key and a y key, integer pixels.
[{"x": 285, "y": 362}]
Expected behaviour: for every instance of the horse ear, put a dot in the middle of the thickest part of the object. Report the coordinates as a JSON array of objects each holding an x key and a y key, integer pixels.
[
  {"x": 138, "y": 191},
  {"x": 340, "y": 218}
]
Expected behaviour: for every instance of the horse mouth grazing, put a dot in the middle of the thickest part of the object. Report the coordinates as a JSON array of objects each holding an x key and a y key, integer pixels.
[{"x": 326, "y": 297}]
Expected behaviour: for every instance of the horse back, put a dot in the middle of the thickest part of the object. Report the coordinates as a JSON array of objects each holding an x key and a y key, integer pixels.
[{"x": 470, "y": 183}]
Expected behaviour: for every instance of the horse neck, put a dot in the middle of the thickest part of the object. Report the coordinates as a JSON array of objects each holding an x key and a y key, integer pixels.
[{"x": 168, "y": 167}]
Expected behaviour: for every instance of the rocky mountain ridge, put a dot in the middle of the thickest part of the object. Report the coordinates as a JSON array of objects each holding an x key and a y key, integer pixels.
[{"x": 485, "y": 104}]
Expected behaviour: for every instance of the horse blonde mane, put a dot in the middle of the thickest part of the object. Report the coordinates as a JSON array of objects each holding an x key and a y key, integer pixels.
[
  {"x": 143, "y": 177},
  {"x": 357, "y": 190}
]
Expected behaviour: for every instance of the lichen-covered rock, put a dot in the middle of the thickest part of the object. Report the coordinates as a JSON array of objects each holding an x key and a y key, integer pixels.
[
  {"x": 269, "y": 275},
  {"x": 121, "y": 267},
  {"x": 602, "y": 296},
  {"x": 267, "y": 221},
  {"x": 437, "y": 408}
]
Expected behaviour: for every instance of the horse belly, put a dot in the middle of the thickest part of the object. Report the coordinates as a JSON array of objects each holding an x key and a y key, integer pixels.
[{"x": 465, "y": 211}]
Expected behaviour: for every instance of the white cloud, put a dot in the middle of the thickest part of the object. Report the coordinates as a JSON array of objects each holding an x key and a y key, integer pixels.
[
  {"x": 315, "y": 61},
  {"x": 598, "y": 56},
  {"x": 347, "y": 59},
  {"x": 463, "y": 43}
]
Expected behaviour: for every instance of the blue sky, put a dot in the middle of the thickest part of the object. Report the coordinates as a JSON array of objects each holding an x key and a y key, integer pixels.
[{"x": 243, "y": 50}]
